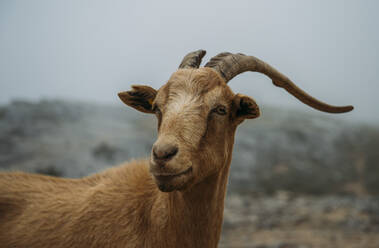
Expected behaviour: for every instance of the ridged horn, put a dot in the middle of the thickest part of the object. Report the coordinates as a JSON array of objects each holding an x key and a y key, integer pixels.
[
  {"x": 192, "y": 60},
  {"x": 229, "y": 65}
]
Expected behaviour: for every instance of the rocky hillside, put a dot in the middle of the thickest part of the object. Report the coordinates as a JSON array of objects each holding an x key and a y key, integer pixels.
[
  {"x": 283, "y": 150},
  {"x": 297, "y": 180}
]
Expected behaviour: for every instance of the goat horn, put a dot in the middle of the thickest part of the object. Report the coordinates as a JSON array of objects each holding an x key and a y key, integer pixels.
[
  {"x": 192, "y": 60},
  {"x": 230, "y": 65}
]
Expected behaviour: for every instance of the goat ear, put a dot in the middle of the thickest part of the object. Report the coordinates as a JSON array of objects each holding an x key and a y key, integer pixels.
[
  {"x": 141, "y": 97},
  {"x": 245, "y": 107}
]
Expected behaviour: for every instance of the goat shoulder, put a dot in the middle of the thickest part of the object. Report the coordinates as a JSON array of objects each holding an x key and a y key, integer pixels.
[{"x": 44, "y": 211}]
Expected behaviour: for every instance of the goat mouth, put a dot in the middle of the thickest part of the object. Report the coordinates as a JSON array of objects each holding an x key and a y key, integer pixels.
[{"x": 168, "y": 177}]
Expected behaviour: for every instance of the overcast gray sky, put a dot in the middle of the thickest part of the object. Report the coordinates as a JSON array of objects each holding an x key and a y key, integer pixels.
[{"x": 90, "y": 50}]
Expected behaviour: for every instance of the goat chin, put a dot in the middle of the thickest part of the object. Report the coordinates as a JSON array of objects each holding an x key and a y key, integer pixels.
[{"x": 170, "y": 183}]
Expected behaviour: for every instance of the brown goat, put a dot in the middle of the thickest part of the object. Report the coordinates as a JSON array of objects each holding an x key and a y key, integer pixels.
[{"x": 174, "y": 199}]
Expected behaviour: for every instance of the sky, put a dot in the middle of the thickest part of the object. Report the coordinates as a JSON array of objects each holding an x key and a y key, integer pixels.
[{"x": 89, "y": 50}]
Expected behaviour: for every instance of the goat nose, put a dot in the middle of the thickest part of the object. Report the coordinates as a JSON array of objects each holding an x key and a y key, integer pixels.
[{"x": 164, "y": 152}]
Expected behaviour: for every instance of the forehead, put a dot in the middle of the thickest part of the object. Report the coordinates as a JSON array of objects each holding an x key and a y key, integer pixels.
[{"x": 197, "y": 84}]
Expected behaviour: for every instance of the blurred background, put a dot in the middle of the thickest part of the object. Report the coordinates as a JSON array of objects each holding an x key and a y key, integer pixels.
[{"x": 299, "y": 178}]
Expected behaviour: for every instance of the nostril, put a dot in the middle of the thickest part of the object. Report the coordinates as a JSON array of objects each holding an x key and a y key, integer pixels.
[
  {"x": 164, "y": 152},
  {"x": 171, "y": 153}
]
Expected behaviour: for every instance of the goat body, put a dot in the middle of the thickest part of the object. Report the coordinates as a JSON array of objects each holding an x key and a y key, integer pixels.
[{"x": 121, "y": 207}]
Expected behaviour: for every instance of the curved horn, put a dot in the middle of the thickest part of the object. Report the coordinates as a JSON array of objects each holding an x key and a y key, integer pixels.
[
  {"x": 192, "y": 60},
  {"x": 230, "y": 65}
]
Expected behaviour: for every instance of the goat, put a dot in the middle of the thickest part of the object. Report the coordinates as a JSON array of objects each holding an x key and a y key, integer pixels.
[{"x": 173, "y": 199}]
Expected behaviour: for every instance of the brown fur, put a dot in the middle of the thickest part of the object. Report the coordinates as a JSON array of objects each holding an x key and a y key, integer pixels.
[{"x": 142, "y": 203}]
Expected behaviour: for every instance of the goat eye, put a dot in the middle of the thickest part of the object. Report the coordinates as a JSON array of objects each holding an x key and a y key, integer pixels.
[
  {"x": 157, "y": 110},
  {"x": 221, "y": 110}
]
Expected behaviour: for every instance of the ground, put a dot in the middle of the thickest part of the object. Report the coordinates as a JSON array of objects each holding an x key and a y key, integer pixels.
[{"x": 285, "y": 220}]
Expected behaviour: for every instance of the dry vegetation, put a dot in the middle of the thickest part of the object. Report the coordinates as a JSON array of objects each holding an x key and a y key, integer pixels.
[{"x": 287, "y": 220}]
